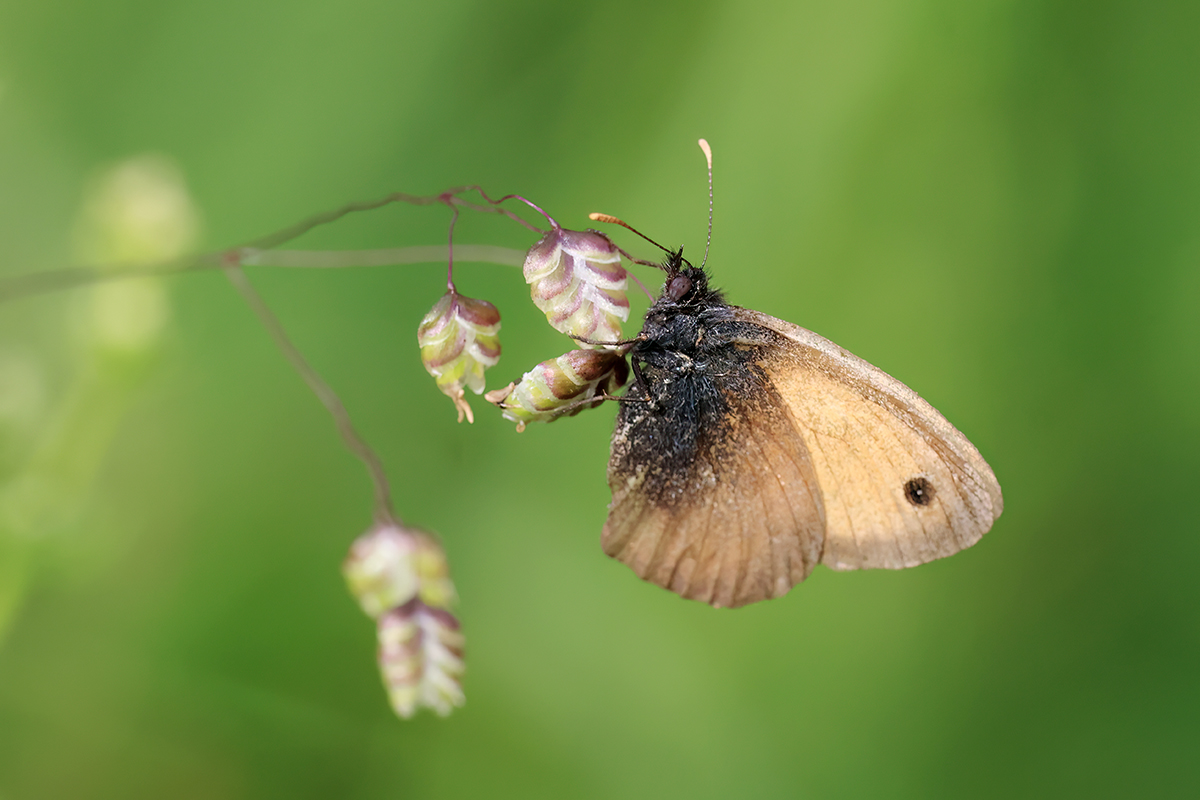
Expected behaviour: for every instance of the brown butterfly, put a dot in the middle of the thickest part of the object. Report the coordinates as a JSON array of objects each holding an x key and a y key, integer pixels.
[{"x": 748, "y": 450}]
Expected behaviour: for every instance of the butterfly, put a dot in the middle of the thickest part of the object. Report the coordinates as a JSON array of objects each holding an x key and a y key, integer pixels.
[{"x": 747, "y": 450}]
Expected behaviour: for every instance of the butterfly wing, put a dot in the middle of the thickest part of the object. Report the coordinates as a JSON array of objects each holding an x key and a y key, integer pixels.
[
  {"x": 802, "y": 454},
  {"x": 899, "y": 484}
]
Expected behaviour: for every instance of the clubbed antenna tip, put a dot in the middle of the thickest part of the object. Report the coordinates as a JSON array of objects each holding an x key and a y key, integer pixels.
[{"x": 708, "y": 156}]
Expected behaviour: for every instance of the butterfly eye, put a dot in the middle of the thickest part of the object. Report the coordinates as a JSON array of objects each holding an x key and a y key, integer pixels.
[
  {"x": 919, "y": 491},
  {"x": 679, "y": 286}
]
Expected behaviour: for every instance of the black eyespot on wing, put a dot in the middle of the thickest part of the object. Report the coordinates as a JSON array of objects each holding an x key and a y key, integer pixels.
[{"x": 919, "y": 491}]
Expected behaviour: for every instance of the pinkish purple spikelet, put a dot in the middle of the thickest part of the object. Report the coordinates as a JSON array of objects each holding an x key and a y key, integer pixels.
[
  {"x": 562, "y": 386},
  {"x": 389, "y": 565},
  {"x": 400, "y": 578},
  {"x": 421, "y": 658},
  {"x": 459, "y": 339},
  {"x": 577, "y": 281}
]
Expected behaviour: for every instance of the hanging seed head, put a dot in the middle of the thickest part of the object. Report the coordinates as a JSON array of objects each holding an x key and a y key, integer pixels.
[
  {"x": 421, "y": 659},
  {"x": 389, "y": 566},
  {"x": 459, "y": 340},
  {"x": 577, "y": 280},
  {"x": 562, "y": 386}
]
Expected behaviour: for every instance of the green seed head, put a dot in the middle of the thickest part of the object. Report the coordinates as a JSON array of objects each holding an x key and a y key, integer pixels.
[{"x": 562, "y": 386}]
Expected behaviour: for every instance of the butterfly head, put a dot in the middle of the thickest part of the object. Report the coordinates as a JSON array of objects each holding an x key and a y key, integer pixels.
[{"x": 686, "y": 284}]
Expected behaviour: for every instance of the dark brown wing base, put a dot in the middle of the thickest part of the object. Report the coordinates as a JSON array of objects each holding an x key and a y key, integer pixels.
[{"x": 714, "y": 495}]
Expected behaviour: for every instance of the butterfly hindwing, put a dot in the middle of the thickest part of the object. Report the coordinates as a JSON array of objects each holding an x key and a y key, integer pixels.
[{"x": 713, "y": 491}]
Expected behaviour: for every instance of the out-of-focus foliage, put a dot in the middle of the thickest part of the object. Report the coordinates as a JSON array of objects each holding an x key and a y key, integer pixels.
[{"x": 998, "y": 202}]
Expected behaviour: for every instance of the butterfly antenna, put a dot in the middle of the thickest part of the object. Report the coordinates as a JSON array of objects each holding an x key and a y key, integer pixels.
[
  {"x": 609, "y": 218},
  {"x": 708, "y": 155}
]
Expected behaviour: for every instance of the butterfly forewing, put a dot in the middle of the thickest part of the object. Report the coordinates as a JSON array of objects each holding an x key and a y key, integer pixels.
[{"x": 899, "y": 484}]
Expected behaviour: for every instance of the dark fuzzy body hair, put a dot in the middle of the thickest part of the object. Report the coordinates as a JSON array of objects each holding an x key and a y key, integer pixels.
[{"x": 696, "y": 372}]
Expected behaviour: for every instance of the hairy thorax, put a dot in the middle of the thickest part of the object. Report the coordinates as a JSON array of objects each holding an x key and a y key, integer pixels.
[{"x": 698, "y": 377}]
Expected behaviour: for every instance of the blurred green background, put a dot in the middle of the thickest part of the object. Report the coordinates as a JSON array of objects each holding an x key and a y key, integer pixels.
[{"x": 995, "y": 201}]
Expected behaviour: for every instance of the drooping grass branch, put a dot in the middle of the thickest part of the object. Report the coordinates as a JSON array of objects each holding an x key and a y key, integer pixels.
[
  {"x": 253, "y": 252},
  {"x": 399, "y": 575},
  {"x": 419, "y": 254},
  {"x": 384, "y": 512},
  {"x": 36, "y": 283}
]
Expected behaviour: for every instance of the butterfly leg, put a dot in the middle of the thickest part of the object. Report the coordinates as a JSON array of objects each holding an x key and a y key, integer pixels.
[{"x": 624, "y": 343}]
